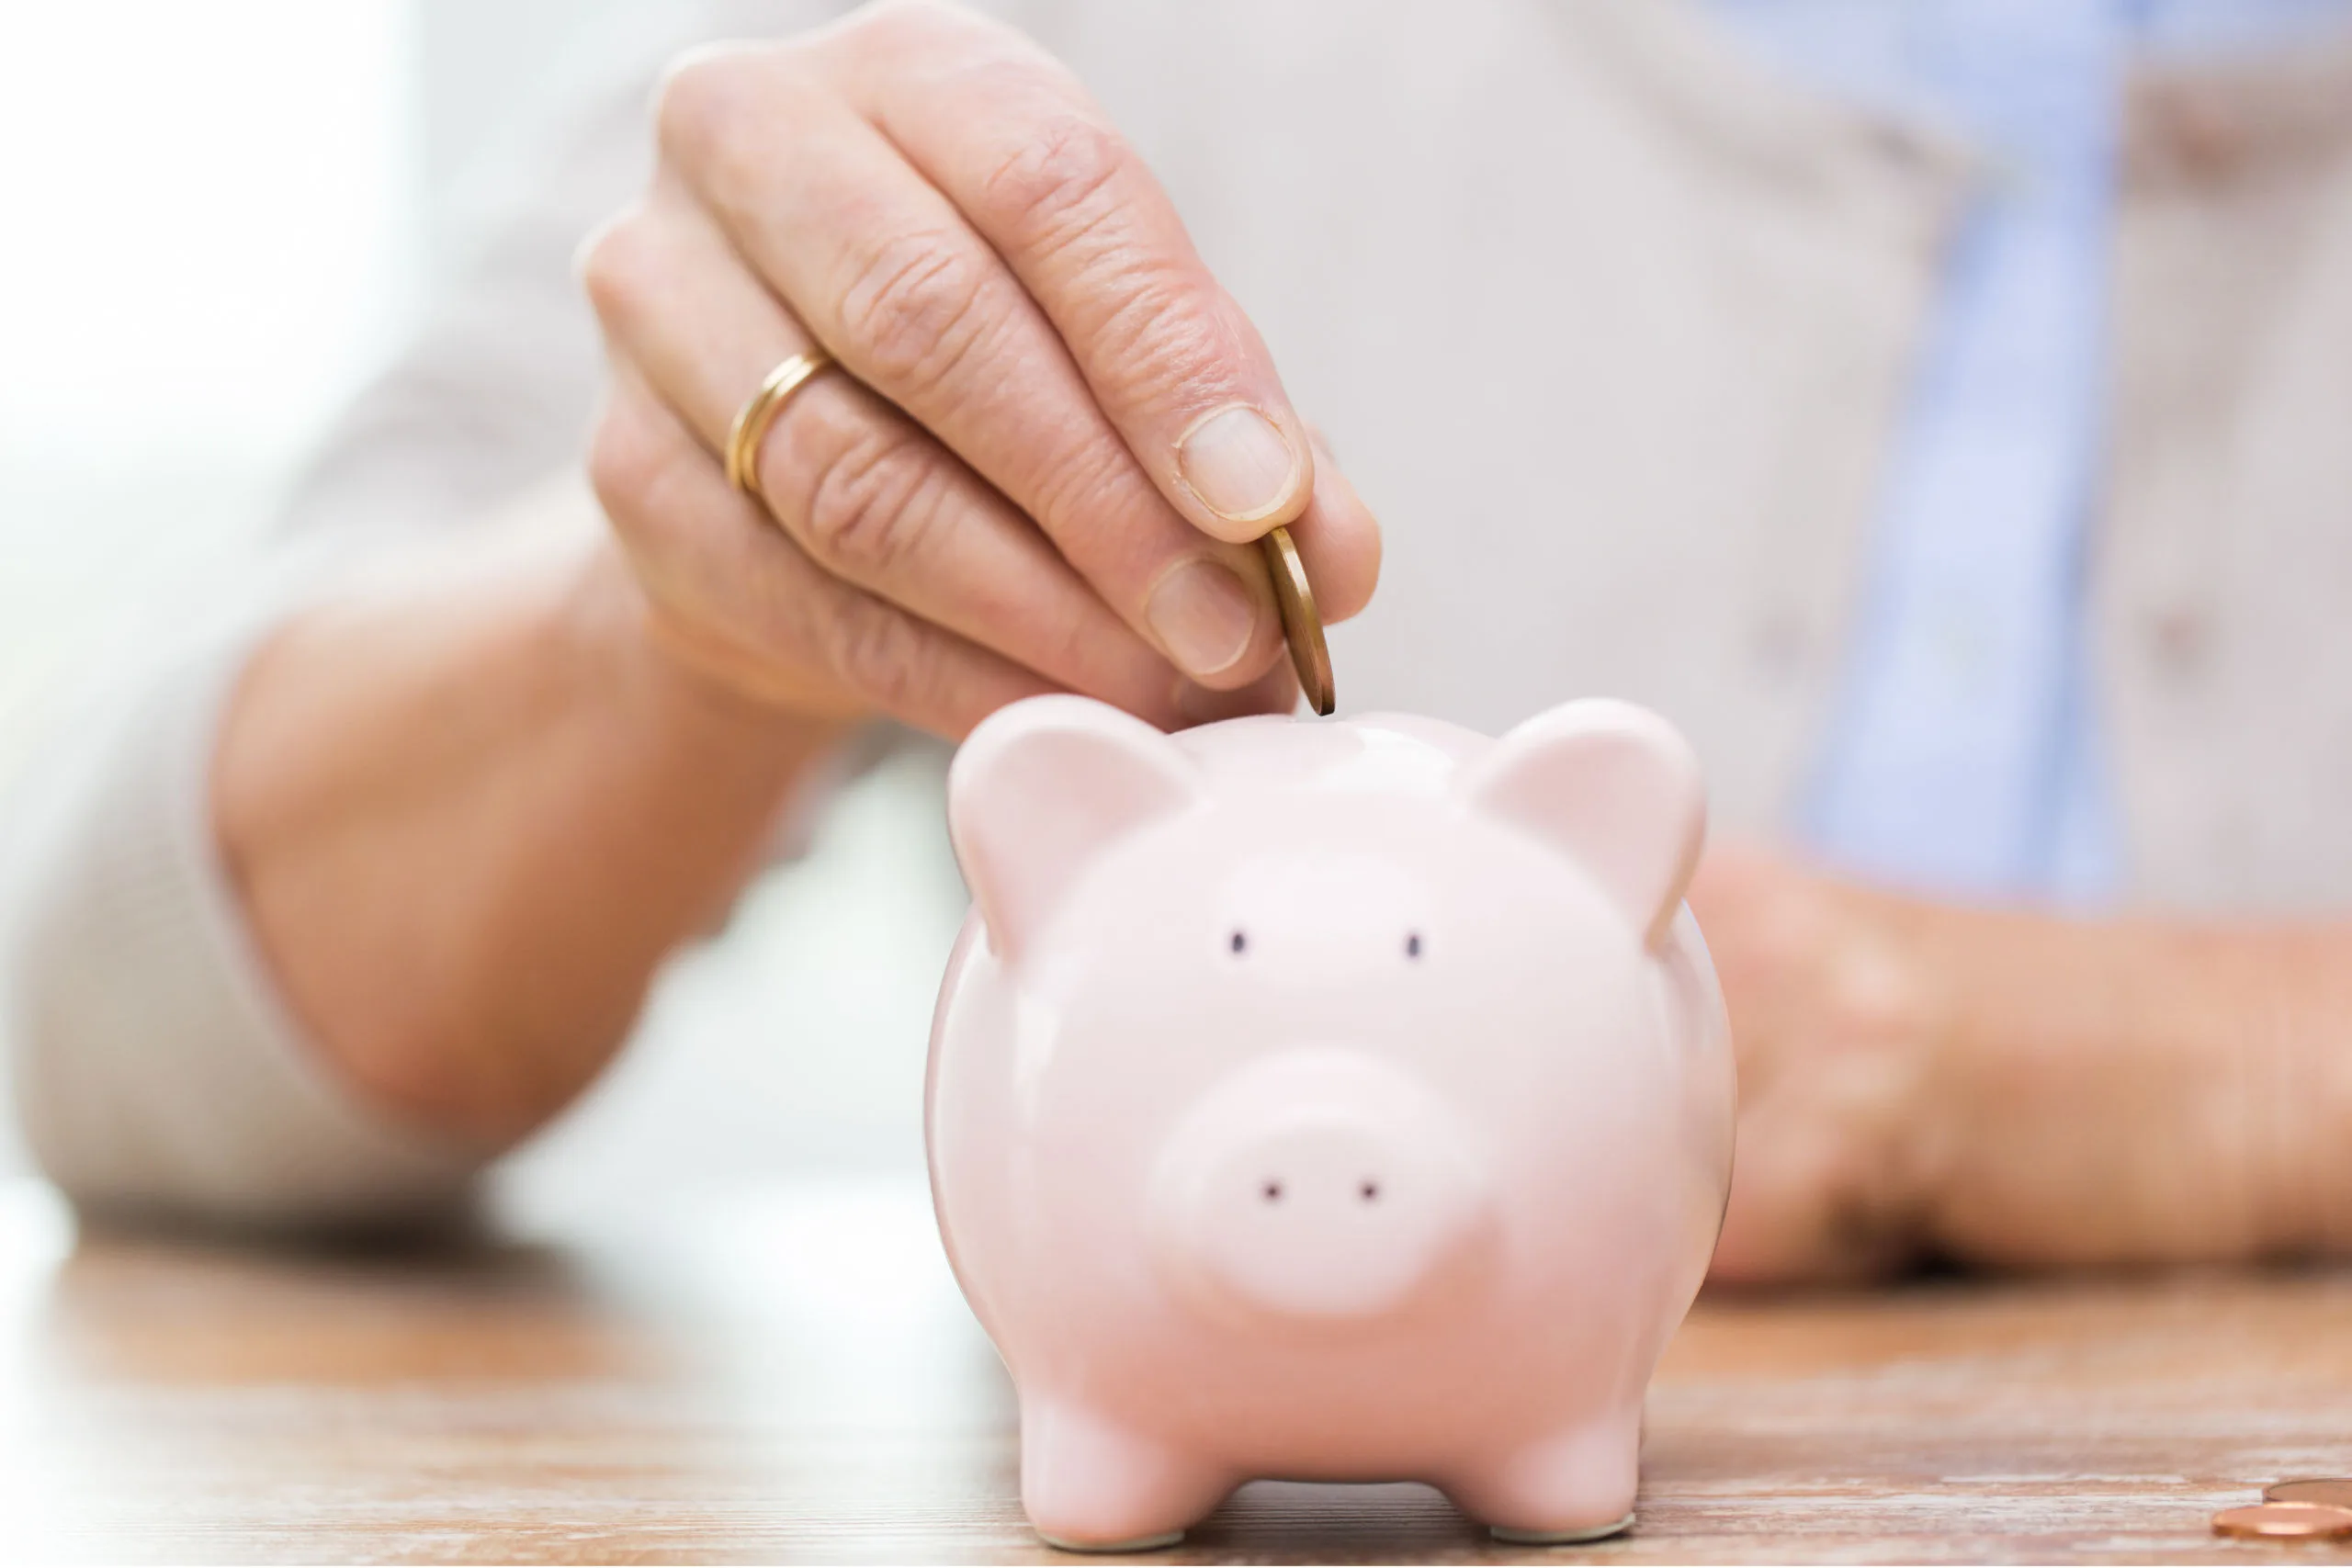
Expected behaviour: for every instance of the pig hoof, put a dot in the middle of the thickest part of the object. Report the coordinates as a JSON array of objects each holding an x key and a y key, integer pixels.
[
  {"x": 1561, "y": 1538},
  {"x": 1104, "y": 1548},
  {"x": 1578, "y": 1485},
  {"x": 1093, "y": 1483}
]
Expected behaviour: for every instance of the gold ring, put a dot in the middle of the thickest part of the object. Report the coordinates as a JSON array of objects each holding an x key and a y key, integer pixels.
[{"x": 750, "y": 426}]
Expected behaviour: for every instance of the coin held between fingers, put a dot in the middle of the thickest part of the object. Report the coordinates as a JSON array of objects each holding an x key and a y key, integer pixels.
[{"x": 1302, "y": 624}]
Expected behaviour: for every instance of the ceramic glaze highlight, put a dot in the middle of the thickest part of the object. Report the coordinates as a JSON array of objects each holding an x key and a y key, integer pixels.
[{"x": 1344, "y": 1102}]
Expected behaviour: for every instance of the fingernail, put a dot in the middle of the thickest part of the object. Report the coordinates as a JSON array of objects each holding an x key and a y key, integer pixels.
[
  {"x": 1204, "y": 615},
  {"x": 1238, "y": 463}
]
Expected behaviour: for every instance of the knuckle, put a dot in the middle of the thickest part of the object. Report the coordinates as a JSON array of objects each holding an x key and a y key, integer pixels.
[
  {"x": 885, "y": 19},
  {"x": 696, "y": 93},
  {"x": 1157, "y": 341},
  {"x": 708, "y": 95},
  {"x": 1096, "y": 480},
  {"x": 892, "y": 28},
  {"x": 628, "y": 466},
  {"x": 881, "y": 654},
  {"x": 918, "y": 305},
  {"x": 870, "y": 504},
  {"x": 620, "y": 265},
  {"x": 1146, "y": 319},
  {"x": 1060, "y": 185}
]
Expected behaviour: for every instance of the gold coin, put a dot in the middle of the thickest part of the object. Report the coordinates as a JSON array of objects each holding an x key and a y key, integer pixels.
[
  {"x": 2300, "y": 1521},
  {"x": 1301, "y": 626},
  {"x": 2332, "y": 1489}
]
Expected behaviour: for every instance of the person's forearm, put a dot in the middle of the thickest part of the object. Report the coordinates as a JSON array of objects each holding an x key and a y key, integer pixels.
[
  {"x": 467, "y": 819},
  {"x": 2136, "y": 1090}
]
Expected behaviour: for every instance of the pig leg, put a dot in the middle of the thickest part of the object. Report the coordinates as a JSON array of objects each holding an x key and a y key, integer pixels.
[
  {"x": 1093, "y": 1485},
  {"x": 1575, "y": 1484}
]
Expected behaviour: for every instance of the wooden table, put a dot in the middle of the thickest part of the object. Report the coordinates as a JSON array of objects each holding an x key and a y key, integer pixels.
[{"x": 788, "y": 1374}]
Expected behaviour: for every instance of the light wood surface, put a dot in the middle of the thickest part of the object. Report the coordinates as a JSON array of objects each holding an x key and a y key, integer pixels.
[{"x": 787, "y": 1374}]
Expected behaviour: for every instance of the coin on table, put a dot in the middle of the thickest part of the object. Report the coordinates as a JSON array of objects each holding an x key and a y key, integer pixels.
[
  {"x": 1302, "y": 624},
  {"x": 2282, "y": 1521},
  {"x": 2331, "y": 1489}
]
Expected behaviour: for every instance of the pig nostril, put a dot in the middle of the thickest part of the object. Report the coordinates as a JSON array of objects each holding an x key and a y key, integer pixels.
[
  {"x": 1370, "y": 1192},
  {"x": 1240, "y": 942},
  {"x": 1271, "y": 1192}
]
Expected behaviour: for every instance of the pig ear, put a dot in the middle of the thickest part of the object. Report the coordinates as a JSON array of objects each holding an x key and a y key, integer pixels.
[
  {"x": 1040, "y": 788},
  {"x": 1613, "y": 787}
]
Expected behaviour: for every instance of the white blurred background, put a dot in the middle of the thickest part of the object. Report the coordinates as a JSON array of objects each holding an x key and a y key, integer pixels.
[{"x": 203, "y": 252}]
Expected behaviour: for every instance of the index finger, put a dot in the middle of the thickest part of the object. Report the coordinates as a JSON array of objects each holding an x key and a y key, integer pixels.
[{"x": 1012, "y": 137}]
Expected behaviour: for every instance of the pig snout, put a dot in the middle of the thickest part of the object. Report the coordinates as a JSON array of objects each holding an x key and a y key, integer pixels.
[{"x": 1321, "y": 1186}]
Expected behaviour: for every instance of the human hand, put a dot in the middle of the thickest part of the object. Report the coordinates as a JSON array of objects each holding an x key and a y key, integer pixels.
[
  {"x": 1058, "y": 436},
  {"x": 1834, "y": 1026},
  {"x": 2012, "y": 1088}
]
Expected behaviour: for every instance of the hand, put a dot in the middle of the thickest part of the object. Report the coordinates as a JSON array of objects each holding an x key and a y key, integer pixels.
[
  {"x": 1056, "y": 437},
  {"x": 2013, "y": 1089},
  {"x": 1832, "y": 1023}
]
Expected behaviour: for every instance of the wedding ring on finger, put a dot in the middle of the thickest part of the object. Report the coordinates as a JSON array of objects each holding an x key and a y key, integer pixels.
[{"x": 751, "y": 423}]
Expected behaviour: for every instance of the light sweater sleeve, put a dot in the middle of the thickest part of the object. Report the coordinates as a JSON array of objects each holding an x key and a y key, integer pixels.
[{"x": 155, "y": 1071}]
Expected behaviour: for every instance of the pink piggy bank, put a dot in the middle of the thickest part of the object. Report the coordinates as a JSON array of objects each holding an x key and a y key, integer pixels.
[{"x": 1340, "y": 1101}]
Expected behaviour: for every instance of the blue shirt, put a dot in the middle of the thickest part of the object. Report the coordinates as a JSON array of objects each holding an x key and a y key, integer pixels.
[{"x": 1964, "y": 753}]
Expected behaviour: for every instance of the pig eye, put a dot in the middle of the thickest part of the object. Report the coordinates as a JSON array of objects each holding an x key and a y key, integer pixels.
[
  {"x": 1412, "y": 945},
  {"x": 1240, "y": 942}
]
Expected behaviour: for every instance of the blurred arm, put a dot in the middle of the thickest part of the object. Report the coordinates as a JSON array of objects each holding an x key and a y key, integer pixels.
[
  {"x": 469, "y": 814},
  {"x": 175, "y": 966},
  {"x": 305, "y": 929}
]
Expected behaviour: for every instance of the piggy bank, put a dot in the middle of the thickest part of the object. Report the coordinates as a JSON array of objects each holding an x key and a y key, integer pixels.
[{"x": 1327, "y": 1100}]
